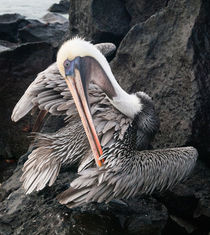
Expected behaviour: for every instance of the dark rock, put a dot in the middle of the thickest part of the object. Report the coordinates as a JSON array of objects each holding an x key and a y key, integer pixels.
[
  {"x": 7, "y": 167},
  {"x": 61, "y": 7},
  {"x": 142, "y": 10},
  {"x": 54, "y": 18},
  {"x": 189, "y": 203},
  {"x": 14, "y": 28},
  {"x": 109, "y": 20},
  {"x": 158, "y": 56},
  {"x": 18, "y": 68},
  {"x": 7, "y": 44},
  {"x": 200, "y": 41},
  {"x": 36, "y": 32},
  {"x": 40, "y": 213},
  {"x": 9, "y": 26},
  {"x": 101, "y": 21}
]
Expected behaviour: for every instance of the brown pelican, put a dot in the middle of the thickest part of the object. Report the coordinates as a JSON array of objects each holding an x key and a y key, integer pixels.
[{"x": 119, "y": 127}]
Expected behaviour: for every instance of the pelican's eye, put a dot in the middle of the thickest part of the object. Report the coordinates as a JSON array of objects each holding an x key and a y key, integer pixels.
[
  {"x": 68, "y": 67},
  {"x": 67, "y": 63}
]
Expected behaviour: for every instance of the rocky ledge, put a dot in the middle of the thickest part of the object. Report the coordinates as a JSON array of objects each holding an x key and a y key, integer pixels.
[{"x": 163, "y": 49}]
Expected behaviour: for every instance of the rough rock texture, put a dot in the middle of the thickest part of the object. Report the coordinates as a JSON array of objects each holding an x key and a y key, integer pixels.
[
  {"x": 22, "y": 46},
  {"x": 54, "y": 18},
  {"x": 40, "y": 213},
  {"x": 109, "y": 20},
  {"x": 15, "y": 28},
  {"x": 188, "y": 204},
  {"x": 161, "y": 56},
  {"x": 142, "y": 10},
  {"x": 61, "y": 7},
  {"x": 99, "y": 20},
  {"x": 51, "y": 33},
  {"x": 9, "y": 26},
  {"x": 18, "y": 68}
]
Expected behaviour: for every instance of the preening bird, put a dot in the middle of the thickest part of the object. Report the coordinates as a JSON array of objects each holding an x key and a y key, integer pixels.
[{"x": 118, "y": 126}]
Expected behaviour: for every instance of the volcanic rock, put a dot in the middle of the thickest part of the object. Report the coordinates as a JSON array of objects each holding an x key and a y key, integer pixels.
[
  {"x": 50, "y": 33},
  {"x": 54, "y": 18},
  {"x": 9, "y": 26},
  {"x": 160, "y": 56},
  {"x": 188, "y": 203},
  {"x": 18, "y": 67},
  {"x": 61, "y": 7},
  {"x": 140, "y": 11},
  {"x": 40, "y": 212},
  {"x": 99, "y": 20},
  {"x": 102, "y": 20}
]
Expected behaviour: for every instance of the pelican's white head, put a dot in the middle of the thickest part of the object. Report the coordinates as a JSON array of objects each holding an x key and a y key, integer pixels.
[
  {"x": 79, "y": 47},
  {"x": 100, "y": 73}
]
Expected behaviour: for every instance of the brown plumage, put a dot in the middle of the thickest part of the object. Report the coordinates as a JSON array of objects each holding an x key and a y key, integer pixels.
[{"x": 124, "y": 123}]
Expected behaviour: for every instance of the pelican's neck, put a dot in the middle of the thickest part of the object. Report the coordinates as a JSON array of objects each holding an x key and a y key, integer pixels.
[{"x": 128, "y": 104}]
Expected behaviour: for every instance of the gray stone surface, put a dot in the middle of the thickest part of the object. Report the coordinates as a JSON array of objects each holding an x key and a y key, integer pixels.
[
  {"x": 142, "y": 10},
  {"x": 54, "y": 18},
  {"x": 52, "y": 33},
  {"x": 18, "y": 67},
  {"x": 9, "y": 26},
  {"x": 99, "y": 20},
  {"x": 158, "y": 56},
  {"x": 61, "y": 7},
  {"x": 40, "y": 213},
  {"x": 109, "y": 20}
]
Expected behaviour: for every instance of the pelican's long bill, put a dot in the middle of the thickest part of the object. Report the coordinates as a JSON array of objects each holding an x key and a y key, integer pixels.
[{"x": 78, "y": 88}]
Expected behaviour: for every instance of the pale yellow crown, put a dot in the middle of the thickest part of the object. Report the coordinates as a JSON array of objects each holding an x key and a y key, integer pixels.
[{"x": 79, "y": 47}]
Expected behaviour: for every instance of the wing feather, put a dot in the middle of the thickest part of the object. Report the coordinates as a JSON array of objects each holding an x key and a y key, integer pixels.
[
  {"x": 145, "y": 172},
  {"x": 49, "y": 82}
]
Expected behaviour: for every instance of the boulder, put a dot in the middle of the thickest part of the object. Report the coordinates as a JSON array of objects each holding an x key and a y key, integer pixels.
[
  {"x": 21, "y": 58},
  {"x": 166, "y": 57},
  {"x": 61, "y": 7},
  {"x": 99, "y": 20},
  {"x": 51, "y": 33},
  {"x": 15, "y": 29},
  {"x": 188, "y": 203},
  {"x": 40, "y": 212},
  {"x": 54, "y": 18},
  {"x": 9, "y": 25},
  {"x": 142, "y": 10},
  {"x": 18, "y": 67},
  {"x": 109, "y": 20}
]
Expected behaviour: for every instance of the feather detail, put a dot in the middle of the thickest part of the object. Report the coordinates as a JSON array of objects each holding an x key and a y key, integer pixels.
[{"x": 145, "y": 175}]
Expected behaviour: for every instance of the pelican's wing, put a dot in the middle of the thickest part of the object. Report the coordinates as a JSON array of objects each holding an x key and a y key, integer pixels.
[
  {"x": 122, "y": 177},
  {"x": 49, "y": 91},
  {"x": 45, "y": 92},
  {"x": 64, "y": 147}
]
